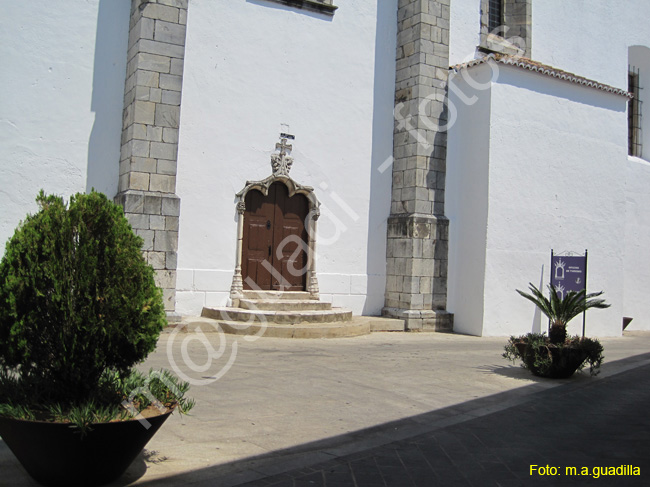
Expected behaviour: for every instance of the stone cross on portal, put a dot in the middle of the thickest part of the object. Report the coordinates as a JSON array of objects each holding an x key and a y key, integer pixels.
[
  {"x": 282, "y": 145},
  {"x": 281, "y": 162}
]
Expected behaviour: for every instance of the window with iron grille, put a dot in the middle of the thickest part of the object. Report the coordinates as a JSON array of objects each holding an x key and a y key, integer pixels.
[
  {"x": 506, "y": 27},
  {"x": 634, "y": 113},
  {"x": 322, "y": 6},
  {"x": 495, "y": 14}
]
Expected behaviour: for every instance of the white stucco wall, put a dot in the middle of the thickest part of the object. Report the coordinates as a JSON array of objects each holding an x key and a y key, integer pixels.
[
  {"x": 589, "y": 134},
  {"x": 466, "y": 197},
  {"x": 637, "y": 236},
  {"x": 63, "y": 67},
  {"x": 464, "y": 30},
  {"x": 559, "y": 30},
  {"x": 637, "y": 219},
  {"x": 550, "y": 126},
  {"x": 589, "y": 37},
  {"x": 252, "y": 66},
  {"x": 557, "y": 181},
  {"x": 538, "y": 164}
]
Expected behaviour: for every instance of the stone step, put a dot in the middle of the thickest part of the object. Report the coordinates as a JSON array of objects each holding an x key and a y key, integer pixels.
[
  {"x": 293, "y": 295},
  {"x": 316, "y": 330},
  {"x": 380, "y": 323},
  {"x": 284, "y": 304},
  {"x": 356, "y": 327},
  {"x": 281, "y": 317}
]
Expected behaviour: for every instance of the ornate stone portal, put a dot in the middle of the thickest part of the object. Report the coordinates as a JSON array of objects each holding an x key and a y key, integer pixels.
[{"x": 281, "y": 162}]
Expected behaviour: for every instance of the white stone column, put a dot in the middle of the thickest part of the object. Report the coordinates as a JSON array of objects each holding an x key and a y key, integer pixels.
[
  {"x": 312, "y": 281},
  {"x": 237, "y": 287}
]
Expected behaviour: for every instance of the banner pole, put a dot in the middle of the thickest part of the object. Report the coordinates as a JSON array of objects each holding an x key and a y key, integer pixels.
[
  {"x": 584, "y": 313},
  {"x": 548, "y": 326}
]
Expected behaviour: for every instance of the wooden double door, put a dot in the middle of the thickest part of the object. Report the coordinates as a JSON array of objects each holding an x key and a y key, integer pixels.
[{"x": 275, "y": 241}]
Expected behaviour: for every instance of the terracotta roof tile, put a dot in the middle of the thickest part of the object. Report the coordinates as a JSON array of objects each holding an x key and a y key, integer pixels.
[{"x": 525, "y": 63}]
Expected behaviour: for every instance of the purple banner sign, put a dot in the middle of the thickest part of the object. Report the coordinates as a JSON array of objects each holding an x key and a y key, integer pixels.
[{"x": 568, "y": 273}]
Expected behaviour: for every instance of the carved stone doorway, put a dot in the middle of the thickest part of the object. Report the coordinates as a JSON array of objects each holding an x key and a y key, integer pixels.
[
  {"x": 276, "y": 232},
  {"x": 274, "y": 247}
]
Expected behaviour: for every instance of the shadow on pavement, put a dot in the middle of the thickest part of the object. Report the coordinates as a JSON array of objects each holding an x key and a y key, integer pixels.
[
  {"x": 494, "y": 440},
  {"x": 578, "y": 422}
]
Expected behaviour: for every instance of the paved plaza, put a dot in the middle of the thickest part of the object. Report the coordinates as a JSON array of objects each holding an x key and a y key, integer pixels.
[{"x": 390, "y": 409}]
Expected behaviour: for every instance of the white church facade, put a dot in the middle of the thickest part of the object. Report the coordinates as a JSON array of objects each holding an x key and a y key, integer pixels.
[{"x": 434, "y": 152}]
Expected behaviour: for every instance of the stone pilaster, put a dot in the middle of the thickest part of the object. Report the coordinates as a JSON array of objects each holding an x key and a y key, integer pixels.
[
  {"x": 151, "y": 117},
  {"x": 416, "y": 281}
]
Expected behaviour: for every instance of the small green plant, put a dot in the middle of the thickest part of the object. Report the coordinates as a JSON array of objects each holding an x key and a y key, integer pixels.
[
  {"x": 10, "y": 410},
  {"x": 562, "y": 310},
  {"x": 537, "y": 343},
  {"x": 79, "y": 308},
  {"x": 158, "y": 388},
  {"x": 557, "y": 355},
  {"x": 117, "y": 399}
]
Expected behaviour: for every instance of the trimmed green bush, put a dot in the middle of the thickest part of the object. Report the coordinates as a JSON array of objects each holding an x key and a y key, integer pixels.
[{"x": 77, "y": 298}]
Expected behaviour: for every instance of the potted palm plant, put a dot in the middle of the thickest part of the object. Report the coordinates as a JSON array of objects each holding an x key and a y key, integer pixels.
[
  {"x": 79, "y": 308},
  {"x": 558, "y": 355}
]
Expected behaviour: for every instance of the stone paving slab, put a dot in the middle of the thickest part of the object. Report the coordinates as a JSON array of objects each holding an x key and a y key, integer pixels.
[
  {"x": 597, "y": 426},
  {"x": 295, "y": 408}
]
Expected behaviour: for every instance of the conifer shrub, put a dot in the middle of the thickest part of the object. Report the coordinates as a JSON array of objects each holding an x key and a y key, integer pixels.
[{"x": 78, "y": 302}]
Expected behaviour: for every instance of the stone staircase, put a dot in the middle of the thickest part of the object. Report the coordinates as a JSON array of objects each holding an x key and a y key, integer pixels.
[{"x": 289, "y": 315}]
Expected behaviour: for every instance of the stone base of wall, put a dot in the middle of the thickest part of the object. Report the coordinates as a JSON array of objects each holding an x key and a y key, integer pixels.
[
  {"x": 416, "y": 262},
  {"x": 422, "y": 320},
  {"x": 173, "y": 317},
  {"x": 154, "y": 217}
]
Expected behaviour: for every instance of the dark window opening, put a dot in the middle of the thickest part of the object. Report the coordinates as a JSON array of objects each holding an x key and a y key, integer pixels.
[
  {"x": 495, "y": 16},
  {"x": 634, "y": 113},
  {"x": 322, "y": 6}
]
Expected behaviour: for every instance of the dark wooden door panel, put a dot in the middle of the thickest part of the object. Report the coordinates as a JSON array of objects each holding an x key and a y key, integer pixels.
[
  {"x": 259, "y": 237},
  {"x": 275, "y": 239},
  {"x": 258, "y": 273},
  {"x": 289, "y": 227},
  {"x": 257, "y": 240}
]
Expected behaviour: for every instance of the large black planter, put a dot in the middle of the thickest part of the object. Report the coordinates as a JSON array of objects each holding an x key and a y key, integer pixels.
[
  {"x": 55, "y": 454},
  {"x": 565, "y": 360}
]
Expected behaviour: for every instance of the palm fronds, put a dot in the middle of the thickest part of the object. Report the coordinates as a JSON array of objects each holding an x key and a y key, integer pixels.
[{"x": 562, "y": 310}]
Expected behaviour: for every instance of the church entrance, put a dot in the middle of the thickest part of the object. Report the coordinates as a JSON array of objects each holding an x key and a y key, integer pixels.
[{"x": 275, "y": 241}]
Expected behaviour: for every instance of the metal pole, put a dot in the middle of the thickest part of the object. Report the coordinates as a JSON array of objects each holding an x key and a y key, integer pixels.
[
  {"x": 584, "y": 313},
  {"x": 551, "y": 280}
]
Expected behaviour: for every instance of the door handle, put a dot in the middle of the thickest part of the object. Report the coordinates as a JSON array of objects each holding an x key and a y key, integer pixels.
[
  {"x": 268, "y": 224},
  {"x": 269, "y": 251}
]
